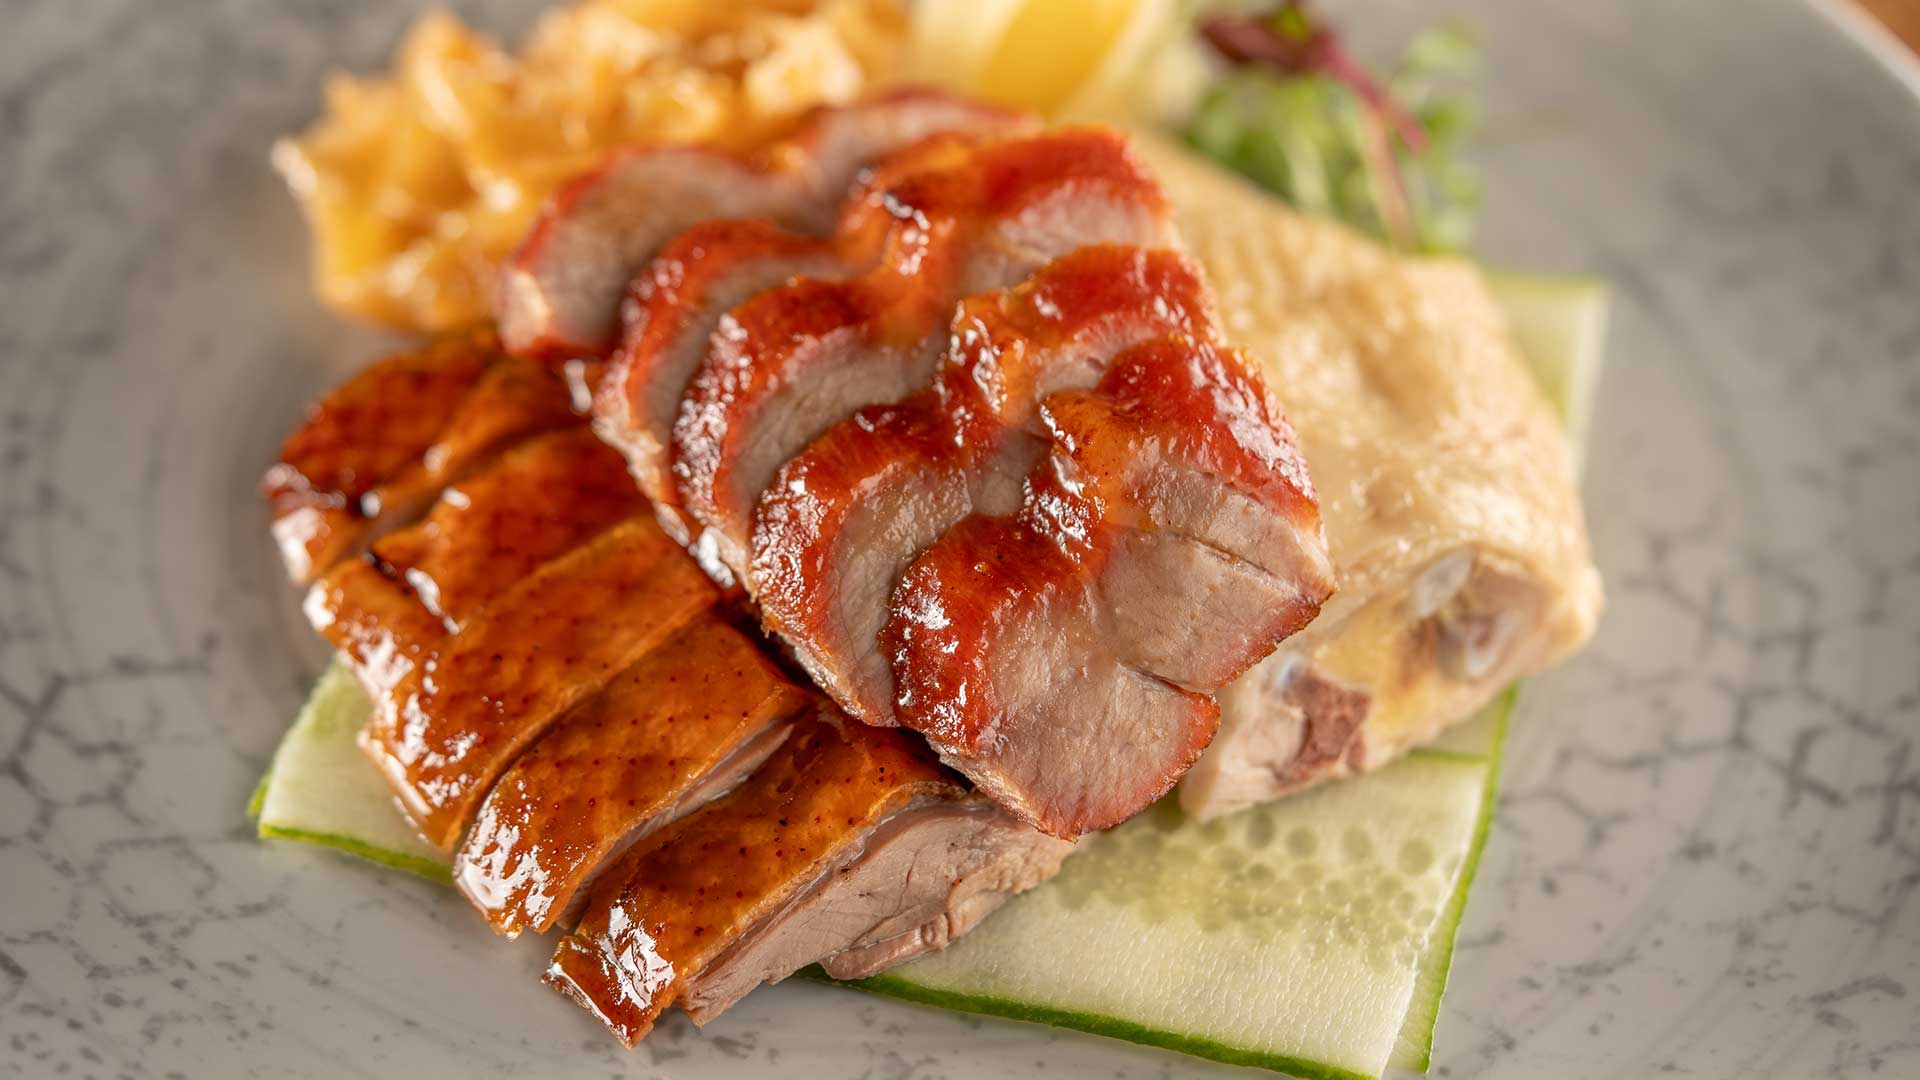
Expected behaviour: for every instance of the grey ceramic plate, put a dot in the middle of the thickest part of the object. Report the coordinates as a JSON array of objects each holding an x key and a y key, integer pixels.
[{"x": 1707, "y": 857}]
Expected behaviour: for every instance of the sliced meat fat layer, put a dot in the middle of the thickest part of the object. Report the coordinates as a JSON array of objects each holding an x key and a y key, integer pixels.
[
  {"x": 928, "y": 881},
  {"x": 678, "y": 729},
  {"x": 483, "y": 536},
  {"x": 559, "y": 292},
  {"x": 372, "y": 454},
  {"x": 960, "y": 219},
  {"x": 1062, "y": 657},
  {"x": 688, "y": 892},
  {"x": 841, "y": 520},
  {"x": 456, "y": 719},
  {"x": 924, "y": 877}
]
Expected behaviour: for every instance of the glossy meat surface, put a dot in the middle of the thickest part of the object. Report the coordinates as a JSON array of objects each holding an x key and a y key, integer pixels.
[
  {"x": 374, "y": 425},
  {"x": 484, "y": 535},
  {"x": 842, "y": 519},
  {"x": 700, "y": 710},
  {"x": 687, "y": 893},
  {"x": 672, "y": 308},
  {"x": 375, "y": 452},
  {"x": 560, "y": 291},
  {"x": 1170, "y": 542},
  {"x": 941, "y": 221},
  {"x": 532, "y": 504},
  {"x": 459, "y": 716}
]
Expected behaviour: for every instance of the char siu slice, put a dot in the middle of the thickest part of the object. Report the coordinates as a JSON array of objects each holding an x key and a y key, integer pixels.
[
  {"x": 671, "y": 310},
  {"x": 958, "y": 218},
  {"x": 1062, "y": 657},
  {"x": 559, "y": 293},
  {"x": 486, "y": 533},
  {"x": 677, "y": 302},
  {"x": 841, "y": 520},
  {"x": 690, "y": 891},
  {"x": 1033, "y": 702},
  {"x": 460, "y": 715},
  {"x": 676, "y": 730},
  {"x": 1183, "y": 439},
  {"x": 372, "y": 454}
]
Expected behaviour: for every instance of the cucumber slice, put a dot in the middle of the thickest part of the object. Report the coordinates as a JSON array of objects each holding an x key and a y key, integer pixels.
[
  {"x": 320, "y": 790},
  {"x": 951, "y": 43},
  {"x": 1413, "y": 1047},
  {"x": 1233, "y": 940},
  {"x": 1479, "y": 737},
  {"x": 1560, "y": 324}
]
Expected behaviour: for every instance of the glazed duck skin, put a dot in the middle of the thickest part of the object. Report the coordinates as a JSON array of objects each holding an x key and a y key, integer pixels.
[
  {"x": 689, "y": 891},
  {"x": 372, "y": 454},
  {"x": 842, "y": 519},
  {"x": 700, "y": 712},
  {"x": 460, "y": 716},
  {"x": 531, "y": 504}
]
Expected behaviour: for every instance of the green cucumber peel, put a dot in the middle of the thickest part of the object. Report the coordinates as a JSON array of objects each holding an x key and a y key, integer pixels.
[
  {"x": 1413, "y": 1049},
  {"x": 893, "y": 986},
  {"x": 320, "y": 790},
  {"x": 1234, "y": 934}
]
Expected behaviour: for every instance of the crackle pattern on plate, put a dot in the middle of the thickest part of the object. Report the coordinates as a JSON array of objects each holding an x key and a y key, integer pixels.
[{"x": 1708, "y": 855}]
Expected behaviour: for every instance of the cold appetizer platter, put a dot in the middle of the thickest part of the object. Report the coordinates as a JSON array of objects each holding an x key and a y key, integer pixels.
[{"x": 829, "y": 537}]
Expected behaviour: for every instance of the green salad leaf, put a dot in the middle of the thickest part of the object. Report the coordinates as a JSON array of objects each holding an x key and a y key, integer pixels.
[{"x": 1296, "y": 113}]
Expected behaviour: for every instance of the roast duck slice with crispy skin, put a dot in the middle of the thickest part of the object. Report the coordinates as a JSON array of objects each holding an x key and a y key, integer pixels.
[
  {"x": 559, "y": 292},
  {"x": 1039, "y": 532},
  {"x": 525, "y": 590},
  {"x": 780, "y": 873},
  {"x": 454, "y": 720},
  {"x": 374, "y": 453},
  {"x": 695, "y": 714},
  {"x": 681, "y": 727},
  {"x": 483, "y": 535}
]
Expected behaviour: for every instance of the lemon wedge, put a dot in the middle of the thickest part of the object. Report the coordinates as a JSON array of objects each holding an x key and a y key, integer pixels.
[
  {"x": 1061, "y": 57},
  {"x": 951, "y": 41}
]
